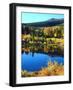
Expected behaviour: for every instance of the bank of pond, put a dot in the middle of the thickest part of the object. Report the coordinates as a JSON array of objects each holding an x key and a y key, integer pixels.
[{"x": 41, "y": 64}]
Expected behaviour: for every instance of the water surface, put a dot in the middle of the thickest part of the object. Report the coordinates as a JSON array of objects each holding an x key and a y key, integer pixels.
[{"x": 35, "y": 62}]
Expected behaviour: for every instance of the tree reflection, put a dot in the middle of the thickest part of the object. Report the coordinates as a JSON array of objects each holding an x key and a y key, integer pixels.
[{"x": 43, "y": 40}]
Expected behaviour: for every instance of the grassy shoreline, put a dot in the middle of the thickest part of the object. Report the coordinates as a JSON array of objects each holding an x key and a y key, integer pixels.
[{"x": 52, "y": 69}]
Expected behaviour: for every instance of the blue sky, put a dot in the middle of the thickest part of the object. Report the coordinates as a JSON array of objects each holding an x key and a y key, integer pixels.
[{"x": 37, "y": 17}]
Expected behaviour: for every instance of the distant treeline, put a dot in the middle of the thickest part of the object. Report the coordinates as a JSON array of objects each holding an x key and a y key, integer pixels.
[{"x": 55, "y": 31}]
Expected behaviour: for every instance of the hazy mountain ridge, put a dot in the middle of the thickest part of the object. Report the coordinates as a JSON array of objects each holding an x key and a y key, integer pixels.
[{"x": 50, "y": 22}]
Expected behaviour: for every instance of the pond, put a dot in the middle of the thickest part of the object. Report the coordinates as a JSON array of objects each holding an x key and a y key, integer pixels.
[{"x": 36, "y": 61}]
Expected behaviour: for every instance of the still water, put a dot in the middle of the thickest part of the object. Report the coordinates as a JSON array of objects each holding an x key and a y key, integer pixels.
[{"x": 34, "y": 62}]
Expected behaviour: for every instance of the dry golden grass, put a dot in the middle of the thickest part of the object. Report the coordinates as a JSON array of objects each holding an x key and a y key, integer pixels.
[{"x": 52, "y": 69}]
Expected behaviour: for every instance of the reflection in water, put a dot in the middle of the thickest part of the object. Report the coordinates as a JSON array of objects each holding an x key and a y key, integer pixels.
[
  {"x": 41, "y": 45},
  {"x": 35, "y": 57},
  {"x": 35, "y": 61},
  {"x": 54, "y": 49}
]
